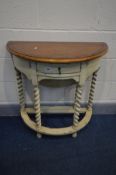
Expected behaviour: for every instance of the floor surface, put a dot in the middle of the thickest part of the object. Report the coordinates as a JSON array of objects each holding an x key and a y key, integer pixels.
[{"x": 93, "y": 152}]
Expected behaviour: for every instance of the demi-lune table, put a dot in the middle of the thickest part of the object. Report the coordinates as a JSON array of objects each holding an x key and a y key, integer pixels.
[{"x": 75, "y": 61}]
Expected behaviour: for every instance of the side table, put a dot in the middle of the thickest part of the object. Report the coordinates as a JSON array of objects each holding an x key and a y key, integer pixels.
[{"x": 59, "y": 61}]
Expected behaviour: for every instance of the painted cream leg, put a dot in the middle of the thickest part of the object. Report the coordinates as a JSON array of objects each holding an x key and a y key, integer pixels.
[
  {"x": 37, "y": 108},
  {"x": 92, "y": 89},
  {"x": 20, "y": 88},
  {"x": 78, "y": 95}
]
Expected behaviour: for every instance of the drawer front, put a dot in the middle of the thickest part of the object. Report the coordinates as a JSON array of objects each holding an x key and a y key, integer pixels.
[
  {"x": 58, "y": 68},
  {"x": 70, "y": 68}
]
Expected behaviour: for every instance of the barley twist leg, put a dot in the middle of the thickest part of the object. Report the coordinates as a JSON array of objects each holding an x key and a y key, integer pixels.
[
  {"x": 20, "y": 89},
  {"x": 37, "y": 108},
  {"x": 92, "y": 89},
  {"x": 78, "y": 95}
]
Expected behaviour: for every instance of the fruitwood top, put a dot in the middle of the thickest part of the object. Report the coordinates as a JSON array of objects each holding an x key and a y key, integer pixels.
[{"x": 57, "y": 52}]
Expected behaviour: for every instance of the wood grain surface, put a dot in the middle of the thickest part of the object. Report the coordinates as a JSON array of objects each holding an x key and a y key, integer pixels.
[{"x": 57, "y": 52}]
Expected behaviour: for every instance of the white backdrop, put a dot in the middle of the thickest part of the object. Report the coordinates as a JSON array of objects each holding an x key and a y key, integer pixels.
[{"x": 58, "y": 20}]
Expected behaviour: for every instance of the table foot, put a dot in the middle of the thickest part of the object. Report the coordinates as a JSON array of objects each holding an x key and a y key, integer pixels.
[
  {"x": 74, "y": 135},
  {"x": 39, "y": 135}
]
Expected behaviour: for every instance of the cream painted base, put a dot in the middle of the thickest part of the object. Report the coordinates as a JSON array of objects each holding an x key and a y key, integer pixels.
[
  {"x": 55, "y": 131},
  {"x": 36, "y": 72}
]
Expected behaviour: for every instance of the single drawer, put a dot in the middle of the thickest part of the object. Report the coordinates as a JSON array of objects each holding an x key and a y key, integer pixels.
[{"x": 58, "y": 68}]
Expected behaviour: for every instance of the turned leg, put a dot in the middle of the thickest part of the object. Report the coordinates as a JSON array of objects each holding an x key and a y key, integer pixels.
[
  {"x": 78, "y": 95},
  {"x": 92, "y": 89},
  {"x": 37, "y": 108},
  {"x": 20, "y": 88}
]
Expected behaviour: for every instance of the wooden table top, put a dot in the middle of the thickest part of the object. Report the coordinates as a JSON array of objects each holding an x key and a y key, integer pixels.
[{"x": 57, "y": 52}]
